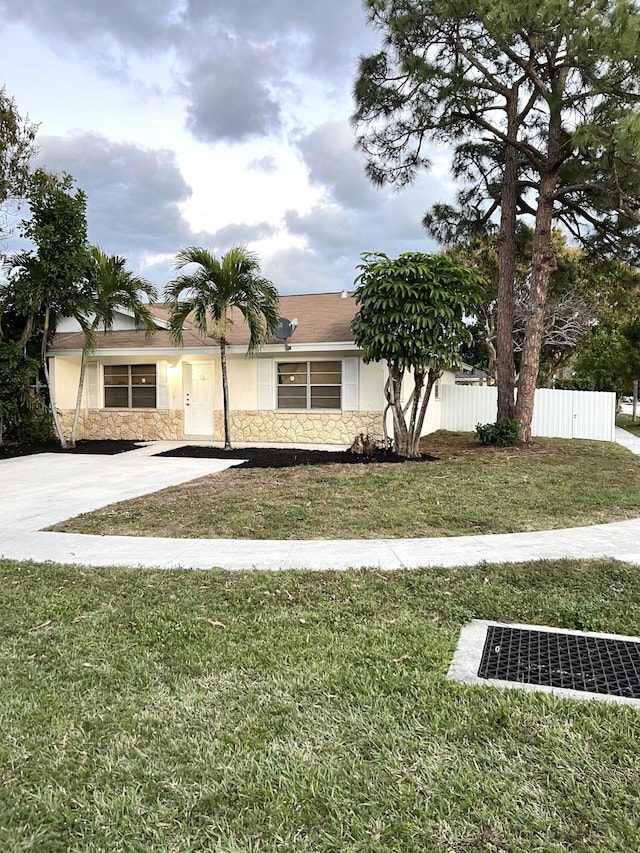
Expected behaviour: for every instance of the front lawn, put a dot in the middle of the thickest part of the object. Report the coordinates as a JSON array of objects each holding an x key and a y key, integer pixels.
[
  {"x": 471, "y": 489},
  {"x": 184, "y": 711}
]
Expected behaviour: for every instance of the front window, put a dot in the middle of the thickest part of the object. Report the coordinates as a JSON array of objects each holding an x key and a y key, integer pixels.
[
  {"x": 309, "y": 385},
  {"x": 130, "y": 386}
]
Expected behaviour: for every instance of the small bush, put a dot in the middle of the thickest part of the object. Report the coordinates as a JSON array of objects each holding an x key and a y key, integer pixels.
[
  {"x": 503, "y": 433},
  {"x": 29, "y": 427}
]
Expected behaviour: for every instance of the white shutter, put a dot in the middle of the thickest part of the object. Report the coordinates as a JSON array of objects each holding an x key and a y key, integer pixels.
[
  {"x": 162, "y": 385},
  {"x": 265, "y": 383},
  {"x": 350, "y": 370},
  {"x": 92, "y": 385}
]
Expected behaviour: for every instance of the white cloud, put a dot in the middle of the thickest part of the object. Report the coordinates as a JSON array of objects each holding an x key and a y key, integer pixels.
[{"x": 187, "y": 121}]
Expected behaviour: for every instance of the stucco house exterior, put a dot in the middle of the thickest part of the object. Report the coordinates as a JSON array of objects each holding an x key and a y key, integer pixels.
[{"x": 312, "y": 388}]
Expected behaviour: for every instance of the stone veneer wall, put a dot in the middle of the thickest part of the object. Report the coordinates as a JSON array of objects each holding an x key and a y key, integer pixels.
[
  {"x": 265, "y": 426},
  {"x": 305, "y": 427},
  {"x": 143, "y": 424}
]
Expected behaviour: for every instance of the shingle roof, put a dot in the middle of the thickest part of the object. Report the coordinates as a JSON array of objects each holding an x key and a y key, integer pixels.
[
  {"x": 129, "y": 339},
  {"x": 322, "y": 318}
]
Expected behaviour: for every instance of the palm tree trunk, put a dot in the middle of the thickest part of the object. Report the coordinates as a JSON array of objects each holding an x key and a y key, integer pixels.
[
  {"x": 45, "y": 368},
  {"x": 76, "y": 414},
  {"x": 83, "y": 371},
  {"x": 27, "y": 331},
  {"x": 225, "y": 393}
]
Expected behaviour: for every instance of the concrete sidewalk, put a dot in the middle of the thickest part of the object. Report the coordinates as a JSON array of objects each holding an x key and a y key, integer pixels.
[
  {"x": 628, "y": 440},
  {"x": 620, "y": 540},
  {"x": 38, "y": 491}
]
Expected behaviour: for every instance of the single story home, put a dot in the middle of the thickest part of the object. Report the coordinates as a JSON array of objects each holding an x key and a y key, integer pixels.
[{"x": 313, "y": 387}]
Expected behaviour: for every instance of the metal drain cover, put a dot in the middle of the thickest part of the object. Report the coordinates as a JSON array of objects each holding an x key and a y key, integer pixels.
[{"x": 531, "y": 657}]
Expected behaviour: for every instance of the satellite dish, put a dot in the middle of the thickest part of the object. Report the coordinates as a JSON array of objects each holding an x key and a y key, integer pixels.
[{"x": 286, "y": 329}]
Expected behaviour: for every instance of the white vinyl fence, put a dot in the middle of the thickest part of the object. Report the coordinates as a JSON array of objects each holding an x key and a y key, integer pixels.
[{"x": 559, "y": 414}]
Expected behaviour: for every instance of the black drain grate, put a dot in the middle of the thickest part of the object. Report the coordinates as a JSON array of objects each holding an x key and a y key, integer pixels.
[{"x": 592, "y": 664}]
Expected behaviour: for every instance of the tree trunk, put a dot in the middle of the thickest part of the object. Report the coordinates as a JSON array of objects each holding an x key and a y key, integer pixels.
[
  {"x": 27, "y": 331},
  {"x": 45, "y": 368},
  {"x": 491, "y": 349},
  {"x": 505, "y": 364},
  {"x": 432, "y": 377},
  {"x": 387, "y": 397},
  {"x": 400, "y": 432},
  {"x": 418, "y": 380},
  {"x": 76, "y": 414},
  {"x": 542, "y": 266},
  {"x": 54, "y": 411},
  {"x": 406, "y": 438},
  {"x": 225, "y": 393}
]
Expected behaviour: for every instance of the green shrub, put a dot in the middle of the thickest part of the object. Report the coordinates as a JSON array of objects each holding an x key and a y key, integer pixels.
[
  {"x": 503, "y": 433},
  {"x": 580, "y": 616}
]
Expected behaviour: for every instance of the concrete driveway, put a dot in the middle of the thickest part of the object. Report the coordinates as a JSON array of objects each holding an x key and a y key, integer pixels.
[
  {"x": 40, "y": 490},
  {"x": 37, "y": 491}
]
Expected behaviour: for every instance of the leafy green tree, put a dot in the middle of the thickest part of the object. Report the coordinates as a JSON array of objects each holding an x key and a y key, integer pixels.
[
  {"x": 110, "y": 286},
  {"x": 413, "y": 314},
  {"x": 539, "y": 100},
  {"x": 49, "y": 283},
  {"x": 211, "y": 292},
  {"x": 16, "y": 373},
  {"x": 17, "y": 147},
  {"x": 578, "y": 290},
  {"x": 605, "y": 362},
  {"x": 481, "y": 251},
  {"x": 608, "y": 359}
]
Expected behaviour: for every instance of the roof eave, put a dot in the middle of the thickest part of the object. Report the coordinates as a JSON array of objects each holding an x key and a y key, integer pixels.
[{"x": 237, "y": 349}]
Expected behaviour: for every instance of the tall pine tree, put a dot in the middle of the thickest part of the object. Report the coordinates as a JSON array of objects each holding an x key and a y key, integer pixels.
[{"x": 540, "y": 102}]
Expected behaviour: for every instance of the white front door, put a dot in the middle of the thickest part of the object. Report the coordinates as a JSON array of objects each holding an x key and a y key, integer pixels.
[{"x": 198, "y": 399}]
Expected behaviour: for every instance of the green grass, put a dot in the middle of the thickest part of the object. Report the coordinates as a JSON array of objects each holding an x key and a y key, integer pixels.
[
  {"x": 189, "y": 711},
  {"x": 626, "y": 422},
  {"x": 480, "y": 490}
]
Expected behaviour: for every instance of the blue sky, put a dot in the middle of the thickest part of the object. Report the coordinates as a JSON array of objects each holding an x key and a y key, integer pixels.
[{"x": 212, "y": 122}]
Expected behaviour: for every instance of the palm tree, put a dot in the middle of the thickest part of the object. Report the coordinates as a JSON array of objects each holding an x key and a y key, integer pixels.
[
  {"x": 111, "y": 286},
  {"x": 211, "y": 291},
  {"x": 40, "y": 302}
]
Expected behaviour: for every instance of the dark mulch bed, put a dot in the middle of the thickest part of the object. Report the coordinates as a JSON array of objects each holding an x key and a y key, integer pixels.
[
  {"x": 275, "y": 457},
  {"x": 97, "y": 447}
]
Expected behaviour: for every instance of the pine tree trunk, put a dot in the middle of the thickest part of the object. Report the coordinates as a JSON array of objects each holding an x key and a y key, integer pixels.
[
  {"x": 542, "y": 266},
  {"x": 225, "y": 393},
  {"x": 505, "y": 365}
]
